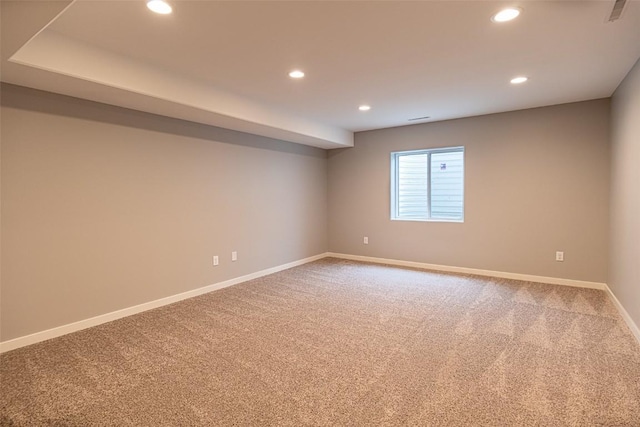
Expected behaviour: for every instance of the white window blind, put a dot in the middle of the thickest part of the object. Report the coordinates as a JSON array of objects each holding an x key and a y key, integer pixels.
[{"x": 428, "y": 184}]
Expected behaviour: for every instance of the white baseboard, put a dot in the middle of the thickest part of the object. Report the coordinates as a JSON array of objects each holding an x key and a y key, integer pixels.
[
  {"x": 628, "y": 320},
  {"x": 108, "y": 317},
  {"x": 465, "y": 270},
  {"x": 114, "y": 315}
]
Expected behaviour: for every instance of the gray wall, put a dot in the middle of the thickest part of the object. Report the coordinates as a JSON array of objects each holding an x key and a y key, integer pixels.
[
  {"x": 624, "y": 270},
  {"x": 536, "y": 181},
  {"x": 104, "y": 208}
]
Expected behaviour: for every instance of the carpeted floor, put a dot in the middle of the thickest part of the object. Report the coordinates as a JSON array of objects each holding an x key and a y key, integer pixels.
[{"x": 341, "y": 343}]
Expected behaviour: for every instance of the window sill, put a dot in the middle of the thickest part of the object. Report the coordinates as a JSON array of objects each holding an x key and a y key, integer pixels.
[{"x": 460, "y": 221}]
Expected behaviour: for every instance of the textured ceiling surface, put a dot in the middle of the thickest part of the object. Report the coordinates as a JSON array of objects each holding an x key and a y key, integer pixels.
[{"x": 440, "y": 59}]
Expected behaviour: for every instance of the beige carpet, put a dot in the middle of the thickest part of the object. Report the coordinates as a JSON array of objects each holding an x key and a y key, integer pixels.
[{"x": 341, "y": 343}]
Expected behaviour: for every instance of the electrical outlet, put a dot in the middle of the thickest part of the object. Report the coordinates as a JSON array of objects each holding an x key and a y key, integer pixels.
[
  {"x": 234, "y": 256},
  {"x": 366, "y": 240},
  {"x": 216, "y": 260},
  {"x": 559, "y": 256}
]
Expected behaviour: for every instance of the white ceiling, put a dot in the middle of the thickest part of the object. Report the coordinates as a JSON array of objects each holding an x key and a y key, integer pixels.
[{"x": 225, "y": 63}]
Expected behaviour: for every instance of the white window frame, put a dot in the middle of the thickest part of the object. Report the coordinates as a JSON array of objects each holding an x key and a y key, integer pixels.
[{"x": 395, "y": 182}]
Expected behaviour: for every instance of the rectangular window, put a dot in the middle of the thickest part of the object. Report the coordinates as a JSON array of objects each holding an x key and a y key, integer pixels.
[{"x": 428, "y": 184}]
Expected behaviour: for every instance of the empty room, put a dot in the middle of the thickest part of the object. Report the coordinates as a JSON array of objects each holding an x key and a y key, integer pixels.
[{"x": 321, "y": 213}]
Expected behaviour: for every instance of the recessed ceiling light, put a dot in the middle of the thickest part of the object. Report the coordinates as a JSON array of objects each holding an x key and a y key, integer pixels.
[
  {"x": 506, "y": 14},
  {"x": 519, "y": 80},
  {"x": 296, "y": 74},
  {"x": 364, "y": 108},
  {"x": 159, "y": 6}
]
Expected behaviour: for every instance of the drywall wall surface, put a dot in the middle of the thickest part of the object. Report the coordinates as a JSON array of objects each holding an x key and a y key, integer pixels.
[
  {"x": 536, "y": 182},
  {"x": 104, "y": 208},
  {"x": 624, "y": 261}
]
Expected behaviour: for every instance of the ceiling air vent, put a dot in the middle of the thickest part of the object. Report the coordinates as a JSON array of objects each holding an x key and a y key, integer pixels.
[
  {"x": 419, "y": 118},
  {"x": 618, "y": 7}
]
